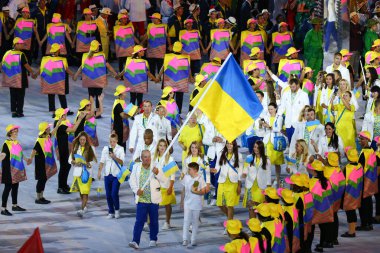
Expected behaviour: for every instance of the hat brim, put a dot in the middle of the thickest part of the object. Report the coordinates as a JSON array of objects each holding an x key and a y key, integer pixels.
[
  {"x": 41, "y": 132},
  {"x": 297, "y": 51},
  {"x": 139, "y": 51},
  {"x": 152, "y": 17},
  {"x": 13, "y": 128}
]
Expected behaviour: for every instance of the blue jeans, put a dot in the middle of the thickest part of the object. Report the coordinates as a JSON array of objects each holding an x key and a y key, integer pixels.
[
  {"x": 214, "y": 177},
  {"x": 112, "y": 186},
  {"x": 142, "y": 211},
  {"x": 289, "y": 133},
  {"x": 330, "y": 30}
]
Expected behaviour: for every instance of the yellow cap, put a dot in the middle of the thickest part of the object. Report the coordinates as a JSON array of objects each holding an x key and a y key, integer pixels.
[
  {"x": 286, "y": 195},
  {"x": 156, "y": 16},
  {"x": 177, "y": 47},
  {"x": 254, "y": 225},
  {"x": 233, "y": 226},
  {"x": 94, "y": 45},
  {"x": 252, "y": 67},
  {"x": 271, "y": 193},
  {"x": 304, "y": 180},
  {"x": 217, "y": 60},
  {"x": 199, "y": 78},
  {"x": 42, "y": 127},
  {"x": 25, "y": 9},
  {"x": 365, "y": 134},
  {"x": 370, "y": 56},
  {"x": 291, "y": 51},
  {"x": 17, "y": 40},
  {"x": 255, "y": 51},
  {"x": 166, "y": 91},
  {"x": 274, "y": 209},
  {"x": 220, "y": 20},
  {"x": 137, "y": 49},
  {"x": 121, "y": 15},
  {"x": 11, "y": 127},
  {"x": 189, "y": 20},
  {"x": 333, "y": 159},
  {"x": 87, "y": 11},
  {"x": 60, "y": 112},
  {"x": 120, "y": 89},
  {"x": 83, "y": 103},
  {"x": 263, "y": 209},
  {"x": 251, "y": 21},
  {"x": 56, "y": 18},
  {"x": 283, "y": 24},
  {"x": 307, "y": 70},
  {"x": 352, "y": 154},
  {"x": 316, "y": 165},
  {"x": 345, "y": 52},
  {"x": 55, "y": 47},
  {"x": 376, "y": 43}
]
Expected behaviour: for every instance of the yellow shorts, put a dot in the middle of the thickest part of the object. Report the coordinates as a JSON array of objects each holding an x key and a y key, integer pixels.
[
  {"x": 227, "y": 195},
  {"x": 167, "y": 199},
  {"x": 78, "y": 186}
]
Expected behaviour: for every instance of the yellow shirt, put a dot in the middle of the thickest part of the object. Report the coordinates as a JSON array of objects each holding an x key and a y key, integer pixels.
[{"x": 188, "y": 135}]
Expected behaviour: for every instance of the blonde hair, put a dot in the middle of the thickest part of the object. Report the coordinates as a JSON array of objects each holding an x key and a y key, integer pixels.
[
  {"x": 157, "y": 152},
  {"x": 199, "y": 147},
  {"x": 305, "y": 150},
  {"x": 301, "y": 117},
  {"x": 346, "y": 83}
]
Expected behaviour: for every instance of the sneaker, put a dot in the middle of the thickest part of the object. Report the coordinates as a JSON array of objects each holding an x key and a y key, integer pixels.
[
  {"x": 42, "y": 201},
  {"x": 18, "y": 209},
  {"x": 184, "y": 243},
  {"x": 191, "y": 229},
  {"x": 117, "y": 214},
  {"x": 85, "y": 209},
  {"x": 45, "y": 200},
  {"x": 14, "y": 115},
  {"x": 6, "y": 212},
  {"x": 193, "y": 243},
  {"x": 152, "y": 244},
  {"x": 110, "y": 216},
  {"x": 70, "y": 113},
  {"x": 133, "y": 245},
  {"x": 20, "y": 115},
  {"x": 62, "y": 191},
  {"x": 348, "y": 235},
  {"x": 213, "y": 202},
  {"x": 80, "y": 213},
  {"x": 166, "y": 226},
  {"x": 146, "y": 227}
]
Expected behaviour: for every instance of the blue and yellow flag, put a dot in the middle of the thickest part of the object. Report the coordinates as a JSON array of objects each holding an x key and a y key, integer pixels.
[
  {"x": 170, "y": 169},
  {"x": 123, "y": 173},
  {"x": 230, "y": 103},
  {"x": 80, "y": 159}
]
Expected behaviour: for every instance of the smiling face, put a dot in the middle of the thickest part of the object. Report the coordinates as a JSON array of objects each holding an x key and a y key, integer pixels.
[
  {"x": 113, "y": 142},
  {"x": 329, "y": 131},
  {"x": 272, "y": 110},
  {"x": 162, "y": 146},
  {"x": 299, "y": 148},
  {"x": 147, "y": 107},
  {"x": 256, "y": 150},
  {"x": 230, "y": 147},
  {"x": 146, "y": 158},
  {"x": 82, "y": 141},
  {"x": 194, "y": 149}
]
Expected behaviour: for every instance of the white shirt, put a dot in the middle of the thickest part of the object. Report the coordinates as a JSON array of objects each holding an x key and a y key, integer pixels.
[
  {"x": 77, "y": 170},
  {"x": 299, "y": 133},
  {"x": 164, "y": 128},
  {"x": 204, "y": 168},
  {"x": 343, "y": 71},
  {"x": 331, "y": 14},
  {"x": 141, "y": 147},
  {"x": 323, "y": 146},
  {"x": 109, "y": 165},
  {"x": 226, "y": 171},
  {"x": 214, "y": 148},
  {"x": 137, "y": 9},
  {"x": 254, "y": 172},
  {"x": 138, "y": 129},
  {"x": 292, "y": 108},
  {"x": 193, "y": 201}
]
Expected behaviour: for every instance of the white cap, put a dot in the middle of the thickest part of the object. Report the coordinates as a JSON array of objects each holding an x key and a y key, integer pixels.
[
  {"x": 176, "y": 6},
  {"x": 5, "y": 8},
  {"x": 231, "y": 20},
  {"x": 265, "y": 11},
  {"x": 211, "y": 11},
  {"x": 92, "y": 6},
  {"x": 193, "y": 7}
]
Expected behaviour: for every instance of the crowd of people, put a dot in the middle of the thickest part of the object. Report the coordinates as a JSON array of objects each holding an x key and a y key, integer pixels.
[{"x": 307, "y": 128}]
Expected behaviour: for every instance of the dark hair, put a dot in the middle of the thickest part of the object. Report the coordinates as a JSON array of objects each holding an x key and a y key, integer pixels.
[
  {"x": 114, "y": 136},
  {"x": 270, "y": 200},
  {"x": 377, "y": 102},
  {"x": 259, "y": 237},
  {"x": 273, "y": 104},
  {"x": 148, "y": 132},
  {"x": 270, "y": 91},
  {"x": 375, "y": 89},
  {"x": 373, "y": 76},
  {"x": 333, "y": 79},
  {"x": 243, "y": 235},
  {"x": 310, "y": 109},
  {"x": 193, "y": 165},
  {"x": 322, "y": 179},
  {"x": 260, "y": 92},
  {"x": 260, "y": 145},
  {"x": 338, "y": 53},
  {"x": 223, "y": 157},
  {"x": 294, "y": 81},
  {"x": 339, "y": 74},
  {"x": 334, "y": 140}
]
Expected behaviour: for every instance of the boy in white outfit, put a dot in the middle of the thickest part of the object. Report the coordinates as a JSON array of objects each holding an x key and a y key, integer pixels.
[{"x": 195, "y": 188}]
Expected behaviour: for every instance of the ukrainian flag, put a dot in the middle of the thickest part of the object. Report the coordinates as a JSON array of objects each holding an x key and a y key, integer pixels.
[
  {"x": 170, "y": 169},
  {"x": 123, "y": 173},
  {"x": 230, "y": 103},
  {"x": 80, "y": 159}
]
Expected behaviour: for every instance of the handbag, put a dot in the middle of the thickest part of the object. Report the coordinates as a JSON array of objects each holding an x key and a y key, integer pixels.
[
  {"x": 279, "y": 141},
  {"x": 85, "y": 176}
]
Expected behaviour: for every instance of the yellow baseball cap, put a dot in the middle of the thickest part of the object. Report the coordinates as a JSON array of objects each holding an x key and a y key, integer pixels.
[
  {"x": 254, "y": 225},
  {"x": 305, "y": 180},
  {"x": 167, "y": 90},
  {"x": 251, "y": 21},
  {"x": 217, "y": 60},
  {"x": 333, "y": 159},
  {"x": 286, "y": 195},
  {"x": 177, "y": 47},
  {"x": 345, "y": 52},
  {"x": 282, "y": 24},
  {"x": 274, "y": 209},
  {"x": 17, "y": 40},
  {"x": 376, "y": 43},
  {"x": 263, "y": 209},
  {"x": 83, "y": 103},
  {"x": 11, "y": 127},
  {"x": 233, "y": 226},
  {"x": 308, "y": 69},
  {"x": 291, "y": 51},
  {"x": 87, "y": 11},
  {"x": 316, "y": 165},
  {"x": 42, "y": 127},
  {"x": 294, "y": 179},
  {"x": 252, "y": 67},
  {"x": 156, "y": 16},
  {"x": 94, "y": 45},
  {"x": 189, "y": 20},
  {"x": 137, "y": 49},
  {"x": 199, "y": 78},
  {"x": 255, "y": 51},
  {"x": 220, "y": 20},
  {"x": 121, "y": 16},
  {"x": 55, "y": 47},
  {"x": 352, "y": 154},
  {"x": 271, "y": 193},
  {"x": 120, "y": 89},
  {"x": 60, "y": 112},
  {"x": 56, "y": 18}
]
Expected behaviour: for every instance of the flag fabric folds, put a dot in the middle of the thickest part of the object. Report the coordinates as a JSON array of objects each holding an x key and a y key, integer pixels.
[
  {"x": 170, "y": 168},
  {"x": 230, "y": 103}
]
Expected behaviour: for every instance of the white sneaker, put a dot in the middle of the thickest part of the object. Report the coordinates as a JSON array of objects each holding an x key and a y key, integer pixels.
[
  {"x": 166, "y": 226},
  {"x": 85, "y": 209},
  {"x": 133, "y": 245},
  {"x": 117, "y": 214},
  {"x": 191, "y": 229},
  {"x": 152, "y": 244},
  {"x": 80, "y": 213},
  {"x": 184, "y": 243},
  {"x": 110, "y": 216},
  {"x": 146, "y": 227},
  {"x": 213, "y": 202},
  {"x": 225, "y": 232}
]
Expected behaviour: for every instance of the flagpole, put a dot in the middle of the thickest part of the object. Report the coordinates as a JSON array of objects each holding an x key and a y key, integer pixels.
[{"x": 187, "y": 119}]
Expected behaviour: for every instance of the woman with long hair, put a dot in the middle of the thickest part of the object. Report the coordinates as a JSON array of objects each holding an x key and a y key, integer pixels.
[
  {"x": 317, "y": 94},
  {"x": 330, "y": 142},
  {"x": 167, "y": 189},
  {"x": 229, "y": 165},
  {"x": 299, "y": 159},
  {"x": 82, "y": 158},
  {"x": 344, "y": 86},
  {"x": 372, "y": 79},
  {"x": 258, "y": 176},
  {"x": 326, "y": 95}
]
